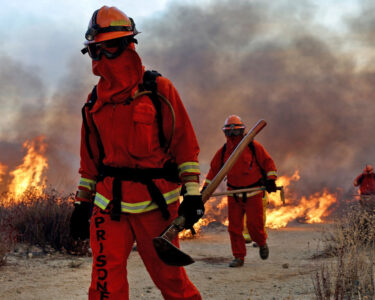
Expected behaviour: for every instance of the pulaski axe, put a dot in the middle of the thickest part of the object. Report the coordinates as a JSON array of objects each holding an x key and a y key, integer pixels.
[
  {"x": 249, "y": 190},
  {"x": 168, "y": 252}
]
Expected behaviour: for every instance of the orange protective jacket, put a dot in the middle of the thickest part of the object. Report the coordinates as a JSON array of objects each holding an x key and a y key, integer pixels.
[
  {"x": 246, "y": 171},
  {"x": 366, "y": 183},
  {"x": 129, "y": 134}
]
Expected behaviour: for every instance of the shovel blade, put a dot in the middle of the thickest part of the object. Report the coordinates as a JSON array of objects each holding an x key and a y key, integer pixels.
[{"x": 170, "y": 254}]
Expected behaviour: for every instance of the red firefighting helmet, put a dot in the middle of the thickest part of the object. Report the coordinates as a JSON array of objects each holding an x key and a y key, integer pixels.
[
  {"x": 108, "y": 23},
  {"x": 233, "y": 126},
  {"x": 368, "y": 169}
]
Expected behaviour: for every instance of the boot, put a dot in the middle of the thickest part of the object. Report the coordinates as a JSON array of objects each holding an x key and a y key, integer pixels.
[
  {"x": 264, "y": 251},
  {"x": 236, "y": 262}
]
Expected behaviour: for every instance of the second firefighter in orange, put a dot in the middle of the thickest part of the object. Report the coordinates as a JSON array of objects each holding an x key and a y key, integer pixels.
[{"x": 254, "y": 168}]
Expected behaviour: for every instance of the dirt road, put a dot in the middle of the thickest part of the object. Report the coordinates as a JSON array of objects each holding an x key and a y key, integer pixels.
[{"x": 285, "y": 275}]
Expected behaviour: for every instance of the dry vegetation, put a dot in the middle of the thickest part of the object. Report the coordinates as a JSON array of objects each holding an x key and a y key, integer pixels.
[
  {"x": 349, "y": 274},
  {"x": 40, "y": 219}
]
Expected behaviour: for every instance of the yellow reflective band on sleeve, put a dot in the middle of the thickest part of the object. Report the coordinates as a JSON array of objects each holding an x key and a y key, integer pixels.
[
  {"x": 139, "y": 207},
  {"x": 272, "y": 173},
  {"x": 87, "y": 183},
  {"x": 189, "y": 167}
]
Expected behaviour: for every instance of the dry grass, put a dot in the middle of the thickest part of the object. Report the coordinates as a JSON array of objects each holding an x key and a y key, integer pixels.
[
  {"x": 41, "y": 220},
  {"x": 350, "y": 272},
  {"x": 7, "y": 236}
]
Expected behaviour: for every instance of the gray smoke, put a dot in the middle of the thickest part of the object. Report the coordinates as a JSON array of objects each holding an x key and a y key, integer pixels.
[
  {"x": 271, "y": 61},
  {"x": 256, "y": 59}
]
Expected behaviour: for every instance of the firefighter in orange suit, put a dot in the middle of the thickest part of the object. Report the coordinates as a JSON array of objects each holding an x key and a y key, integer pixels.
[
  {"x": 366, "y": 181},
  {"x": 137, "y": 149},
  {"x": 254, "y": 168}
]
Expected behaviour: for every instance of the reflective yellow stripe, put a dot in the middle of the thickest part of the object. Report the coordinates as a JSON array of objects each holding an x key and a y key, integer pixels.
[
  {"x": 189, "y": 167},
  {"x": 207, "y": 182},
  {"x": 87, "y": 183},
  {"x": 138, "y": 207},
  {"x": 247, "y": 194},
  {"x": 272, "y": 173}
]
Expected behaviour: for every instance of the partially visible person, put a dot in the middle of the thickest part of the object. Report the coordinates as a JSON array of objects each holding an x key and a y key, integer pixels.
[{"x": 366, "y": 183}]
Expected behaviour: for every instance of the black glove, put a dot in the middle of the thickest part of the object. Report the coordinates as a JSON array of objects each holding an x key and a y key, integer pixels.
[
  {"x": 271, "y": 186},
  {"x": 79, "y": 221},
  {"x": 192, "y": 209}
]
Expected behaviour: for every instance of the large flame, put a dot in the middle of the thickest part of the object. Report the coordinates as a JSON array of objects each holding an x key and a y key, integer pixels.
[
  {"x": 310, "y": 209},
  {"x": 30, "y": 174}
]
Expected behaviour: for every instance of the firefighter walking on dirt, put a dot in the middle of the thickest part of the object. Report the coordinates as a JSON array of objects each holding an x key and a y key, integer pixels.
[
  {"x": 137, "y": 148},
  {"x": 254, "y": 168}
]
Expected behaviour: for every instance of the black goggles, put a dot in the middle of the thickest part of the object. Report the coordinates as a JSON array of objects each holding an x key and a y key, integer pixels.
[
  {"x": 110, "y": 49},
  {"x": 233, "y": 132}
]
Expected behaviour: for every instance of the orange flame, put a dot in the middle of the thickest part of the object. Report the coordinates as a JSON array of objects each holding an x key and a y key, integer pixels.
[
  {"x": 313, "y": 209},
  {"x": 30, "y": 173}
]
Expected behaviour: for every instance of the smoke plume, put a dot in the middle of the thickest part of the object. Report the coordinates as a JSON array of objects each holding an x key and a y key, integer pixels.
[
  {"x": 257, "y": 59},
  {"x": 271, "y": 61}
]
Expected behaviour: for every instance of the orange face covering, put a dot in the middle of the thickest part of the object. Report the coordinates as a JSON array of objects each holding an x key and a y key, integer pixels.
[
  {"x": 233, "y": 141},
  {"x": 119, "y": 76}
]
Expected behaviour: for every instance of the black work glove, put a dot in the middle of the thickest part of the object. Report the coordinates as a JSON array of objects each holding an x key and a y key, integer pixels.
[
  {"x": 192, "y": 209},
  {"x": 80, "y": 221},
  {"x": 270, "y": 186}
]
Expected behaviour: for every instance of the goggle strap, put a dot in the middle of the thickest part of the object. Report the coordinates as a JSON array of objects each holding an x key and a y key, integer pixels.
[{"x": 114, "y": 28}]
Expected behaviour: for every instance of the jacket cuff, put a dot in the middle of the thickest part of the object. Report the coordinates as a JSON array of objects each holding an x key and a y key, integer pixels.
[
  {"x": 192, "y": 188},
  {"x": 272, "y": 175},
  {"x": 87, "y": 184},
  {"x": 206, "y": 182},
  {"x": 189, "y": 167}
]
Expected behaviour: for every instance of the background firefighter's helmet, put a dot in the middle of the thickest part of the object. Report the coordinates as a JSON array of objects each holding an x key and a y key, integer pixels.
[
  {"x": 233, "y": 126},
  {"x": 368, "y": 169},
  {"x": 108, "y": 23}
]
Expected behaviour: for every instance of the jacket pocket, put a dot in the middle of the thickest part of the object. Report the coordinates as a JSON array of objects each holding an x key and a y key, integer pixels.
[{"x": 142, "y": 130}]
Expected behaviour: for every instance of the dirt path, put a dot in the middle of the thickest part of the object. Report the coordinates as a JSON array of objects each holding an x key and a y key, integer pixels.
[{"x": 285, "y": 275}]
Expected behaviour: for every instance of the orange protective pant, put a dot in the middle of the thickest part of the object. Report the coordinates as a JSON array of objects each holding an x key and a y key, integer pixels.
[
  {"x": 245, "y": 232},
  {"x": 111, "y": 243},
  {"x": 253, "y": 208}
]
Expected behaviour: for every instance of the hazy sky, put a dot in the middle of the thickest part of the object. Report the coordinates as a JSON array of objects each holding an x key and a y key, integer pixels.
[{"x": 44, "y": 34}]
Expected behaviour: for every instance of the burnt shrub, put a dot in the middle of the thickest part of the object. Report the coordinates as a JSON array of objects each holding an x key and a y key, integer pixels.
[
  {"x": 42, "y": 219},
  {"x": 7, "y": 234},
  {"x": 349, "y": 245}
]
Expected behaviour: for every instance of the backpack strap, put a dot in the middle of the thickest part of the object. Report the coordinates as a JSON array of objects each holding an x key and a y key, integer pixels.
[
  {"x": 222, "y": 155},
  {"x": 85, "y": 114},
  {"x": 150, "y": 84},
  {"x": 252, "y": 150}
]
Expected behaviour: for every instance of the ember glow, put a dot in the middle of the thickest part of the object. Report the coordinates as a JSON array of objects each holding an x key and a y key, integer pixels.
[
  {"x": 31, "y": 173},
  {"x": 3, "y": 169}
]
